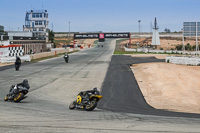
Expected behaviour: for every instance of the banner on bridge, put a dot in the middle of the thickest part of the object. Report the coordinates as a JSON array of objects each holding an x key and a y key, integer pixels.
[
  {"x": 86, "y": 36},
  {"x": 116, "y": 35},
  {"x": 101, "y": 36}
]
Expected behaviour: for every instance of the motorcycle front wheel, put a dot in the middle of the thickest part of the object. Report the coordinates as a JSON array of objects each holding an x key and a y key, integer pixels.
[
  {"x": 17, "y": 68},
  {"x": 66, "y": 60},
  {"x": 6, "y": 98},
  {"x": 18, "y": 97},
  {"x": 72, "y": 105},
  {"x": 91, "y": 106}
]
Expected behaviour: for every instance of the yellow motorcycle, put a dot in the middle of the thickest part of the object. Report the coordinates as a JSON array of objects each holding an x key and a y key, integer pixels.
[{"x": 86, "y": 100}]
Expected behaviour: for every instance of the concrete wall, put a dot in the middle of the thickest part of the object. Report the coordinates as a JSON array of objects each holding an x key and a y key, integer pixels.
[
  {"x": 8, "y": 59},
  {"x": 52, "y": 52},
  {"x": 38, "y": 55},
  {"x": 183, "y": 60},
  {"x": 20, "y": 33},
  {"x": 146, "y": 50}
]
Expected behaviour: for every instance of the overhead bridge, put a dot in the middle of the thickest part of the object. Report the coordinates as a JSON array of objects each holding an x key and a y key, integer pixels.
[{"x": 101, "y": 36}]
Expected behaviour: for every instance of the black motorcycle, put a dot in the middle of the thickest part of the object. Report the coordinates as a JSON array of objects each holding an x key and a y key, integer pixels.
[
  {"x": 17, "y": 66},
  {"x": 86, "y": 100},
  {"x": 66, "y": 57},
  {"x": 19, "y": 93},
  {"x": 17, "y": 63}
]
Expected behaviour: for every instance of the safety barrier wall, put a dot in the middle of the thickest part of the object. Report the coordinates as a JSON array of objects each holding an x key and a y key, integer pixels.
[
  {"x": 183, "y": 60},
  {"x": 9, "y": 59},
  {"x": 190, "y": 59},
  {"x": 53, "y": 52},
  {"x": 146, "y": 50}
]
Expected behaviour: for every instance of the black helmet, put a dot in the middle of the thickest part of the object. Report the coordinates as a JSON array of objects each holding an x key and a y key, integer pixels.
[
  {"x": 25, "y": 81},
  {"x": 95, "y": 89}
]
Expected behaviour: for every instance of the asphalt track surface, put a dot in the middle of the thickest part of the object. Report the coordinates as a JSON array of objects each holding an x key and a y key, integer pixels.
[
  {"x": 121, "y": 91},
  {"x": 55, "y": 84}
]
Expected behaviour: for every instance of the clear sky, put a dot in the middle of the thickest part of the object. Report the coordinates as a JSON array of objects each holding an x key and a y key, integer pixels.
[{"x": 102, "y": 15}]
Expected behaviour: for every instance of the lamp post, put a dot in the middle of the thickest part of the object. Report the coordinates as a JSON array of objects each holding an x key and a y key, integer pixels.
[
  {"x": 139, "y": 30},
  {"x": 139, "y": 25},
  {"x": 69, "y": 28}
]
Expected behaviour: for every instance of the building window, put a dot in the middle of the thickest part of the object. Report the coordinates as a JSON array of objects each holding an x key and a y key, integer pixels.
[
  {"x": 38, "y": 22},
  {"x": 37, "y": 15},
  {"x": 34, "y": 29},
  {"x": 45, "y": 15},
  {"x": 40, "y": 29},
  {"x": 33, "y": 15}
]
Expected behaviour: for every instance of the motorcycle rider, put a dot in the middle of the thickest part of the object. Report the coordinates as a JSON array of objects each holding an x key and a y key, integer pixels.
[
  {"x": 17, "y": 61},
  {"x": 66, "y": 57},
  {"x": 14, "y": 88},
  {"x": 86, "y": 94}
]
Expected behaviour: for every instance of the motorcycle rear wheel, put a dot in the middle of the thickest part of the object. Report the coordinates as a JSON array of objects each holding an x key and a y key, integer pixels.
[
  {"x": 91, "y": 106},
  {"x": 72, "y": 105},
  {"x": 18, "y": 97}
]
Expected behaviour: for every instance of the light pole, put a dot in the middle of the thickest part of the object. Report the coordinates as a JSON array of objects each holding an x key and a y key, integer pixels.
[
  {"x": 139, "y": 25},
  {"x": 69, "y": 28},
  {"x": 139, "y": 30}
]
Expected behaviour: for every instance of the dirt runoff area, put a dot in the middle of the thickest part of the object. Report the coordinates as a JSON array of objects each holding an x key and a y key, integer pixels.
[
  {"x": 169, "y": 86},
  {"x": 5, "y": 64}
]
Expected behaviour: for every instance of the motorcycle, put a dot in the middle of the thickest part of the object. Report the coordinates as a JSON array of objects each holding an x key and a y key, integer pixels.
[
  {"x": 66, "y": 57},
  {"x": 17, "y": 63},
  {"x": 18, "y": 94},
  {"x": 17, "y": 66},
  {"x": 86, "y": 101}
]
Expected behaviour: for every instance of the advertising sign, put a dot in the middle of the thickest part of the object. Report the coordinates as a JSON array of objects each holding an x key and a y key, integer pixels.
[
  {"x": 191, "y": 28},
  {"x": 116, "y": 35},
  {"x": 101, "y": 35},
  {"x": 86, "y": 36}
]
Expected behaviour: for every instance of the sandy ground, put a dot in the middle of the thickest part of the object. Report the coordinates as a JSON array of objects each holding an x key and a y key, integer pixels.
[
  {"x": 169, "y": 86},
  {"x": 164, "y": 43},
  {"x": 5, "y": 64}
]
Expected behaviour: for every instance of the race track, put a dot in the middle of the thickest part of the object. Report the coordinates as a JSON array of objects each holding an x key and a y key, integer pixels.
[{"x": 55, "y": 84}]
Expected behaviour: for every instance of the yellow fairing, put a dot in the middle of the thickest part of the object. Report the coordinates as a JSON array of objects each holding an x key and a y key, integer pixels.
[
  {"x": 18, "y": 97},
  {"x": 79, "y": 99},
  {"x": 96, "y": 96},
  {"x": 6, "y": 98}
]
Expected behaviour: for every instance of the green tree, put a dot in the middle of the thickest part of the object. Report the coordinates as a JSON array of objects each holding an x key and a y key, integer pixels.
[
  {"x": 51, "y": 36},
  {"x": 188, "y": 47},
  {"x": 194, "y": 47},
  {"x": 179, "y": 47}
]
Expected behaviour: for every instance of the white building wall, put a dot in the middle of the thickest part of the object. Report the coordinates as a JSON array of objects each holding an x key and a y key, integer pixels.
[
  {"x": 5, "y": 43},
  {"x": 21, "y": 33}
]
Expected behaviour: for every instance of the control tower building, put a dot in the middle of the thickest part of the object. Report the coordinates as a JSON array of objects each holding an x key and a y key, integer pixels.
[{"x": 36, "y": 21}]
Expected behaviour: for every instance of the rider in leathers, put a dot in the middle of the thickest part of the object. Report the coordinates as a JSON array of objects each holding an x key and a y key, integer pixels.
[
  {"x": 14, "y": 88},
  {"x": 18, "y": 61},
  {"x": 86, "y": 94}
]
